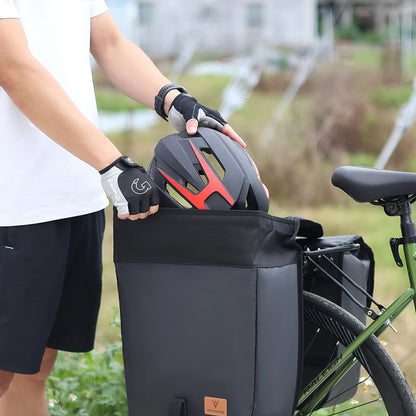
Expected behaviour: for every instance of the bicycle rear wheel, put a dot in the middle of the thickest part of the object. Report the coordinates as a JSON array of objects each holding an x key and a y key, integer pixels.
[{"x": 389, "y": 394}]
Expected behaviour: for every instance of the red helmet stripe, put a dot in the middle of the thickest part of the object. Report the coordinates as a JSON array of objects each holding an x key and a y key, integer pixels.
[
  {"x": 213, "y": 185},
  {"x": 194, "y": 199}
]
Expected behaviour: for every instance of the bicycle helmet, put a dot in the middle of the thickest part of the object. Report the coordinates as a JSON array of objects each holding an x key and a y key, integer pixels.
[{"x": 206, "y": 171}]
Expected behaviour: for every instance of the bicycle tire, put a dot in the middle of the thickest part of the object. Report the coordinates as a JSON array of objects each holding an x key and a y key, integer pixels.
[{"x": 392, "y": 386}]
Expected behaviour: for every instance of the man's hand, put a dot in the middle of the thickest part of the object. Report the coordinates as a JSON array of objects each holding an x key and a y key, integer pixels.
[
  {"x": 186, "y": 113},
  {"x": 131, "y": 189}
]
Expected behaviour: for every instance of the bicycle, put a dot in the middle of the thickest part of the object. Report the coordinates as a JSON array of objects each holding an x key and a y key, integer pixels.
[{"x": 395, "y": 192}]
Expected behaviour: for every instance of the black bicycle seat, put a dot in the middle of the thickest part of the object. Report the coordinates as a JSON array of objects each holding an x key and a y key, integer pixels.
[{"x": 366, "y": 184}]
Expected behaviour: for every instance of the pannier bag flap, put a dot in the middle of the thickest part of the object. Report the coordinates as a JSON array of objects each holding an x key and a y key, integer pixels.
[{"x": 240, "y": 238}]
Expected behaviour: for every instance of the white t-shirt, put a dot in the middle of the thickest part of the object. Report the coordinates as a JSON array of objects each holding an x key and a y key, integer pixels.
[{"x": 39, "y": 180}]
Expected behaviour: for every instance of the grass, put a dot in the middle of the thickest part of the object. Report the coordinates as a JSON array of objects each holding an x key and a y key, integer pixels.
[
  {"x": 366, "y": 56},
  {"x": 109, "y": 99},
  {"x": 391, "y": 96}
]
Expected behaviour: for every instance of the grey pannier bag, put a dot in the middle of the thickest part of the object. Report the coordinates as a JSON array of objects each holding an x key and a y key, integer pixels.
[{"x": 211, "y": 313}]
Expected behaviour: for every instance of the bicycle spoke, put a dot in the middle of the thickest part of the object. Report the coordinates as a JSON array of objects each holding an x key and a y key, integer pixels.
[
  {"x": 356, "y": 407},
  {"x": 362, "y": 380},
  {"x": 318, "y": 330}
]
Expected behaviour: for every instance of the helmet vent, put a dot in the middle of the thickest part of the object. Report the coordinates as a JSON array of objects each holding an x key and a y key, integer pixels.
[
  {"x": 214, "y": 162},
  {"x": 177, "y": 196},
  {"x": 202, "y": 175},
  {"x": 192, "y": 188}
]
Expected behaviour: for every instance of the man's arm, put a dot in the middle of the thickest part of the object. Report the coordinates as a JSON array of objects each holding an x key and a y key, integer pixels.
[
  {"x": 129, "y": 69},
  {"x": 132, "y": 71},
  {"x": 39, "y": 96}
]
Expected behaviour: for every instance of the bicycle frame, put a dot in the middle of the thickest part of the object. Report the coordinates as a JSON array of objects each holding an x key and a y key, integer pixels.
[
  {"x": 317, "y": 390},
  {"x": 410, "y": 258}
]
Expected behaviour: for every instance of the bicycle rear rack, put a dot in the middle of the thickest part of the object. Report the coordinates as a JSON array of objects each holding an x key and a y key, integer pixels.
[{"x": 309, "y": 255}]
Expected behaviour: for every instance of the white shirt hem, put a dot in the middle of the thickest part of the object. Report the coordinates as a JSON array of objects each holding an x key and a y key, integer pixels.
[{"x": 39, "y": 217}]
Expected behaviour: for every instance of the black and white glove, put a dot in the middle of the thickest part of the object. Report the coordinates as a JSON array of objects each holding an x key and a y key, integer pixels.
[
  {"x": 185, "y": 107},
  {"x": 129, "y": 186}
]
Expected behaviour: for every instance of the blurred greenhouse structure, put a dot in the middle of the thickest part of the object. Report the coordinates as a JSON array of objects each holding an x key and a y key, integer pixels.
[
  {"x": 213, "y": 26},
  {"x": 235, "y": 26}
]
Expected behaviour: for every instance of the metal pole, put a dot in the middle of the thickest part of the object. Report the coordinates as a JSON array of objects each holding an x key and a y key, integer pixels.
[
  {"x": 305, "y": 69},
  {"x": 404, "y": 121}
]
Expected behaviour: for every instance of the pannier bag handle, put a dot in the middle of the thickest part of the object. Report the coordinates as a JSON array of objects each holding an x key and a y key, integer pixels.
[{"x": 177, "y": 407}]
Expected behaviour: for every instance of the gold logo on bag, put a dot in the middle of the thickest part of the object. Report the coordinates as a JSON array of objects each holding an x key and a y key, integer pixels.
[{"x": 215, "y": 406}]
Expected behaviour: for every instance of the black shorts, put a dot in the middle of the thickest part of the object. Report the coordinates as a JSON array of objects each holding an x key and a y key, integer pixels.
[{"x": 50, "y": 289}]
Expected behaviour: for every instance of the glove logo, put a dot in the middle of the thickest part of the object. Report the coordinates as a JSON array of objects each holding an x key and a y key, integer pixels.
[{"x": 140, "y": 188}]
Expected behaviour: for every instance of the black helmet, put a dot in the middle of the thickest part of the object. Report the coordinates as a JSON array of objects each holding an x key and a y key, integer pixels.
[{"x": 206, "y": 171}]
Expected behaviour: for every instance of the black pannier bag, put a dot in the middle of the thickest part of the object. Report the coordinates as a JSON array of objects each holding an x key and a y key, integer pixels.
[
  {"x": 211, "y": 315},
  {"x": 358, "y": 264}
]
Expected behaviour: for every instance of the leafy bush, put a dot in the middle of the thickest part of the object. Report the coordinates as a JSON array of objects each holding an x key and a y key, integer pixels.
[{"x": 90, "y": 384}]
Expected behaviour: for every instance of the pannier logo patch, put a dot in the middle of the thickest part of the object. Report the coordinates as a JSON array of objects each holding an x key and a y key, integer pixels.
[{"x": 215, "y": 406}]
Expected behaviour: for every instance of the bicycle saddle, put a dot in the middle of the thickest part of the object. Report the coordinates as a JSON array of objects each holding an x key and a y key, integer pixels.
[{"x": 366, "y": 184}]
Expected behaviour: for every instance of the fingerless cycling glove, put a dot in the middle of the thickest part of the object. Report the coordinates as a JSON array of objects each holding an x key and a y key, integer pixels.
[
  {"x": 129, "y": 186},
  {"x": 185, "y": 107}
]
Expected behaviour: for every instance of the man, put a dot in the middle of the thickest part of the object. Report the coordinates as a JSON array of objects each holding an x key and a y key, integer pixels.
[{"x": 52, "y": 199}]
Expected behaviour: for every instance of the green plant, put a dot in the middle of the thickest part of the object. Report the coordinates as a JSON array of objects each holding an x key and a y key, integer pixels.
[
  {"x": 90, "y": 384},
  {"x": 372, "y": 37},
  {"x": 392, "y": 97},
  {"x": 351, "y": 33}
]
